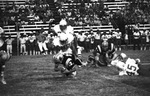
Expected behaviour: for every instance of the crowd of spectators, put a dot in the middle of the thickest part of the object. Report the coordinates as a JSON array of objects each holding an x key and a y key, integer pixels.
[
  {"x": 26, "y": 14},
  {"x": 87, "y": 12},
  {"x": 28, "y": 43},
  {"x": 82, "y": 13}
]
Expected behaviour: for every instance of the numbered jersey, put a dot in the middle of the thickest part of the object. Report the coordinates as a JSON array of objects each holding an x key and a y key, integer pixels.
[{"x": 131, "y": 66}]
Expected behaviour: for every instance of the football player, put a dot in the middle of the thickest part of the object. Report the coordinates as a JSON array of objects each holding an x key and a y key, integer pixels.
[
  {"x": 104, "y": 52},
  {"x": 70, "y": 62},
  {"x": 126, "y": 65},
  {"x": 4, "y": 56},
  {"x": 65, "y": 43},
  {"x": 63, "y": 27}
]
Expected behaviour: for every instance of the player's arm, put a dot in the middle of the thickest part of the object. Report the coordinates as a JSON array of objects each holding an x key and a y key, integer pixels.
[
  {"x": 74, "y": 51},
  {"x": 97, "y": 51},
  {"x": 112, "y": 49}
]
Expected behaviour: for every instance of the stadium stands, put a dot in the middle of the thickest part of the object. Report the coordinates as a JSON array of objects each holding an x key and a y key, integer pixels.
[
  {"x": 3, "y": 3},
  {"x": 10, "y": 29}
]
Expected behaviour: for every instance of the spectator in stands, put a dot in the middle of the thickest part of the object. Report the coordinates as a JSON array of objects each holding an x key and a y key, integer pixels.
[
  {"x": 147, "y": 40},
  {"x": 23, "y": 40},
  {"x": 136, "y": 41},
  {"x": 118, "y": 39},
  {"x": 97, "y": 22},
  {"x": 109, "y": 36},
  {"x": 113, "y": 37},
  {"x": 41, "y": 43},
  {"x": 31, "y": 40},
  {"x": 105, "y": 20},
  {"x": 87, "y": 41},
  {"x": 92, "y": 39},
  {"x": 37, "y": 50},
  {"x": 9, "y": 41},
  {"x": 49, "y": 42},
  {"x": 12, "y": 20},
  {"x": 143, "y": 39},
  {"x": 81, "y": 38},
  {"x": 104, "y": 36},
  {"x": 97, "y": 37},
  {"x": 126, "y": 40},
  {"x": 27, "y": 43}
]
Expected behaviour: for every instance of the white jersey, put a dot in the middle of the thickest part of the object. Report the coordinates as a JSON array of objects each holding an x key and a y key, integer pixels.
[
  {"x": 69, "y": 29},
  {"x": 1, "y": 30},
  {"x": 104, "y": 37},
  {"x": 56, "y": 40},
  {"x": 118, "y": 35},
  {"x": 129, "y": 65},
  {"x": 23, "y": 40},
  {"x": 68, "y": 50}
]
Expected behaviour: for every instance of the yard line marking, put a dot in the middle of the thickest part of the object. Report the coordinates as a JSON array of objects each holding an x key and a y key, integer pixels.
[{"x": 146, "y": 63}]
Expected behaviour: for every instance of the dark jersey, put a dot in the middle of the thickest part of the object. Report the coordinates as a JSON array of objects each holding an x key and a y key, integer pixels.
[{"x": 102, "y": 50}]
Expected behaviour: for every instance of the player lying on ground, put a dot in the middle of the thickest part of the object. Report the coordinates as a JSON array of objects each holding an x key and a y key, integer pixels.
[
  {"x": 103, "y": 54},
  {"x": 126, "y": 65}
]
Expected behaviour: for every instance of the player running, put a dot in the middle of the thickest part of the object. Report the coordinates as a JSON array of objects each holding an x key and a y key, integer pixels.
[{"x": 67, "y": 57}]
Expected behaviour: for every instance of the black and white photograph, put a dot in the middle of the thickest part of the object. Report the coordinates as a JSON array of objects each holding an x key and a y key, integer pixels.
[{"x": 74, "y": 47}]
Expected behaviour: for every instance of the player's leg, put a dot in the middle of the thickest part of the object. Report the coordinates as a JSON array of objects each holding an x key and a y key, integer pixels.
[
  {"x": 3, "y": 58},
  {"x": 57, "y": 59},
  {"x": 40, "y": 47},
  {"x": 10, "y": 49},
  {"x": 45, "y": 48},
  {"x": 2, "y": 74},
  {"x": 21, "y": 49},
  {"x": 91, "y": 60}
]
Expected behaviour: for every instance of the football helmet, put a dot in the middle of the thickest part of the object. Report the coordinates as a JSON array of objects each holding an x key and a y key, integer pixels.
[
  {"x": 123, "y": 55},
  {"x": 63, "y": 24}
]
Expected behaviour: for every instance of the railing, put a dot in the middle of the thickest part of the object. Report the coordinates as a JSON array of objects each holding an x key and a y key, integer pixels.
[
  {"x": 111, "y": 5},
  {"x": 10, "y": 29}
]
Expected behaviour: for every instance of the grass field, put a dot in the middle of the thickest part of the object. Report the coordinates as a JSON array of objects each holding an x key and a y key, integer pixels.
[{"x": 34, "y": 76}]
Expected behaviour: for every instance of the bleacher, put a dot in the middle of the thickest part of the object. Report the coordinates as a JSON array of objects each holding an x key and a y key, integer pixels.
[
  {"x": 144, "y": 26},
  {"x": 117, "y": 5},
  {"x": 10, "y": 29},
  {"x": 3, "y": 3},
  {"x": 29, "y": 28}
]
